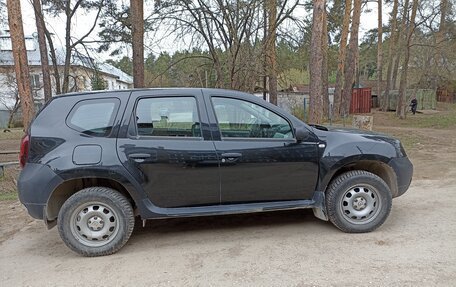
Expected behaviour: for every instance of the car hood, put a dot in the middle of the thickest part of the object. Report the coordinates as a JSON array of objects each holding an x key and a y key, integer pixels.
[
  {"x": 320, "y": 130},
  {"x": 337, "y": 137}
]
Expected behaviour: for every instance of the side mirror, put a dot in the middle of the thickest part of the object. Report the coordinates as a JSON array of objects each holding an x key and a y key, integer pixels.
[{"x": 301, "y": 133}]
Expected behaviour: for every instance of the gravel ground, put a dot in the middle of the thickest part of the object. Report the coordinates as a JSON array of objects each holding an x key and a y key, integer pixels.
[{"x": 415, "y": 247}]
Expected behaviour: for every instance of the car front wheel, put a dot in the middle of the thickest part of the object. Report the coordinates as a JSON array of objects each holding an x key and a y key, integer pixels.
[
  {"x": 96, "y": 221},
  {"x": 358, "y": 201}
]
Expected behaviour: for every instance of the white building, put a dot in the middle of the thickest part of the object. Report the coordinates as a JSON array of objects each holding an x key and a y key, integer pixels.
[{"x": 82, "y": 70}]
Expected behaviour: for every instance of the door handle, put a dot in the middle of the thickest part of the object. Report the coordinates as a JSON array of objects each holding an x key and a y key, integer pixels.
[
  {"x": 230, "y": 157},
  {"x": 139, "y": 157}
]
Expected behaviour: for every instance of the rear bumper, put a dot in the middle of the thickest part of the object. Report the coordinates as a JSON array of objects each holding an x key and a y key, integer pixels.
[
  {"x": 404, "y": 173},
  {"x": 35, "y": 210},
  {"x": 35, "y": 184}
]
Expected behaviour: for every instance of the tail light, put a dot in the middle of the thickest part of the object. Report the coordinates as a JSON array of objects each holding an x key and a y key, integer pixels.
[{"x": 24, "y": 150}]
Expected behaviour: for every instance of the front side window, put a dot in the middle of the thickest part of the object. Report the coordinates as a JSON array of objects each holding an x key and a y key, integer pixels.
[
  {"x": 168, "y": 117},
  {"x": 243, "y": 119},
  {"x": 94, "y": 117}
]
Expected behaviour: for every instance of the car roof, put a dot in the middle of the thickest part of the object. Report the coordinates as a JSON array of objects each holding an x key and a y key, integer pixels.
[
  {"x": 109, "y": 92},
  {"x": 206, "y": 92}
]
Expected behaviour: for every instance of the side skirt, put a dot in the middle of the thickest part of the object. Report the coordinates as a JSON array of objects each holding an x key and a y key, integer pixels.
[{"x": 317, "y": 203}]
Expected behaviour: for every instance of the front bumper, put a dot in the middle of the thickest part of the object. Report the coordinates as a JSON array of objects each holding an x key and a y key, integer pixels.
[
  {"x": 35, "y": 185},
  {"x": 404, "y": 173}
]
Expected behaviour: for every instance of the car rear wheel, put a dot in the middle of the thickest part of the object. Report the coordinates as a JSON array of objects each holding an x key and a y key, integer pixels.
[
  {"x": 96, "y": 221},
  {"x": 358, "y": 201}
]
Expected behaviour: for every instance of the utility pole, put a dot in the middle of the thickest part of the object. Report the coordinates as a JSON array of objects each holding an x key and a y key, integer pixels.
[{"x": 20, "y": 60}]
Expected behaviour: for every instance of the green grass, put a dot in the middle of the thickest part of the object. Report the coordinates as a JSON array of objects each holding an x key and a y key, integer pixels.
[
  {"x": 440, "y": 120},
  {"x": 8, "y": 188},
  {"x": 8, "y": 196},
  {"x": 443, "y": 118},
  {"x": 15, "y": 133},
  {"x": 434, "y": 121},
  {"x": 446, "y": 106}
]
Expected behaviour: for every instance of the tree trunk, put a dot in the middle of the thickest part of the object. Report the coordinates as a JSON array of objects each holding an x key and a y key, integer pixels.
[
  {"x": 10, "y": 120},
  {"x": 58, "y": 89},
  {"x": 218, "y": 72},
  {"x": 13, "y": 111},
  {"x": 392, "y": 48},
  {"x": 68, "y": 49},
  {"x": 397, "y": 60},
  {"x": 137, "y": 32},
  {"x": 380, "y": 51},
  {"x": 324, "y": 72},
  {"x": 439, "y": 58},
  {"x": 400, "y": 45},
  {"x": 352, "y": 56},
  {"x": 20, "y": 61},
  {"x": 341, "y": 59},
  {"x": 402, "y": 101},
  {"x": 316, "y": 62},
  {"x": 440, "y": 37},
  {"x": 271, "y": 56},
  {"x": 43, "y": 50}
]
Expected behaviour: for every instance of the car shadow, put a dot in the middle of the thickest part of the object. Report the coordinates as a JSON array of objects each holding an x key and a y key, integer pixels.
[{"x": 228, "y": 222}]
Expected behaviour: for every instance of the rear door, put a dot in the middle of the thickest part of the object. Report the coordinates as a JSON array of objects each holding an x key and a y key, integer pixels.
[
  {"x": 169, "y": 148},
  {"x": 260, "y": 159}
]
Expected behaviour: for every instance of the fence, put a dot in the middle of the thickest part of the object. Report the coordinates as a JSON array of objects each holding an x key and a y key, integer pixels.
[
  {"x": 361, "y": 101},
  {"x": 426, "y": 99},
  {"x": 446, "y": 96},
  {"x": 298, "y": 103}
]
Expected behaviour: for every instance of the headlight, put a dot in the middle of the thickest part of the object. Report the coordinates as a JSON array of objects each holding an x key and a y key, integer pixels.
[{"x": 400, "y": 149}]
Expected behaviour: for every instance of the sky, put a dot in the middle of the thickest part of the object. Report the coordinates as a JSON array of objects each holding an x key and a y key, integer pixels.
[{"x": 83, "y": 22}]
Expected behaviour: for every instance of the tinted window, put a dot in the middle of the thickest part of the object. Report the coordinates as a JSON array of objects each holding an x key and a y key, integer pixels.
[
  {"x": 94, "y": 117},
  {"x": 170, "y": 117},
  {"x": 242, "y": 119}
]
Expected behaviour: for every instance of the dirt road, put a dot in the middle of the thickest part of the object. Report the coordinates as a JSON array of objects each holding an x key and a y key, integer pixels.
[{"x": 415, "y": 247}]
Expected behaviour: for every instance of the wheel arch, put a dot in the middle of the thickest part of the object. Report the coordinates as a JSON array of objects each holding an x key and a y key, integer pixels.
[
  {"x": 377, "y": 167},
  {"x": 70, "y": 186}
]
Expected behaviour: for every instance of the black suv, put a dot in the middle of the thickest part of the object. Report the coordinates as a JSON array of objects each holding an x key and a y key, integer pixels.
[{"x": 93, "y": 161}]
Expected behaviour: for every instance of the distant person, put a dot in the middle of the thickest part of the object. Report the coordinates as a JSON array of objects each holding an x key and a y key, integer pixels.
[{"x": 413, "y": 105}]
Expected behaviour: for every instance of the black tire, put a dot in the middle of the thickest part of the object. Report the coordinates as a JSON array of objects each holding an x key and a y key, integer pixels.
[
  {"x": 358, "y": 201},
  {"x": 96, "y": 221}
]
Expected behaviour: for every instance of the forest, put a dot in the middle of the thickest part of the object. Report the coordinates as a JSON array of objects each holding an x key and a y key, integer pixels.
[{"x": 253, "y": 46}]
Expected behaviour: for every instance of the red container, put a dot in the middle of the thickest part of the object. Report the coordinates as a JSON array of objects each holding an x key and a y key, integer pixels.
[{"x": 361, "y": 101}]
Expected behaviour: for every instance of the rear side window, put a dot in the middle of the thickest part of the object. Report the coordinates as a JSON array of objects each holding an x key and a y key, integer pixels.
[
  {"x": 94, "y": 117},
  {"x": 168, "y": 117}
]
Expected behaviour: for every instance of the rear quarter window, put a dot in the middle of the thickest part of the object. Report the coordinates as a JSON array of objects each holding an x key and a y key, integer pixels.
[
  {"x": 168, "y": 117},
  {"x": 94, "y": 117}
]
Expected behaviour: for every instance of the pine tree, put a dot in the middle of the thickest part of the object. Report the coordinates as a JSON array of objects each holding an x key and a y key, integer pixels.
[
  {"x": 137, "y": 31},
  {"x": 316, "y": 62},
  {"x": 20, "y": 61}
]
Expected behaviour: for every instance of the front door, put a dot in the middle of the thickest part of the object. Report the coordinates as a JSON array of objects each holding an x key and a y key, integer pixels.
[
  {"x": 169, "y": 151},
  {"x": 260, "y": 160}
]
